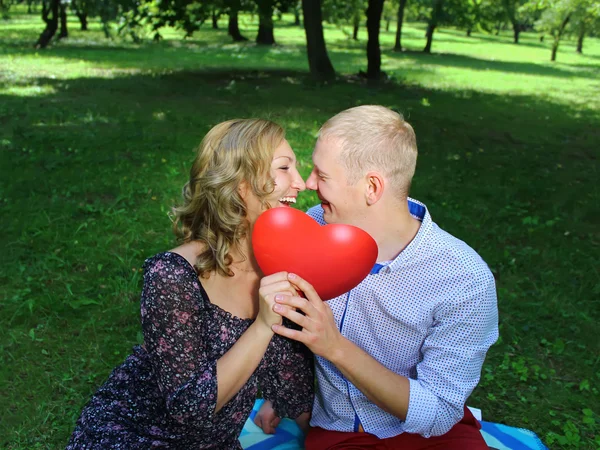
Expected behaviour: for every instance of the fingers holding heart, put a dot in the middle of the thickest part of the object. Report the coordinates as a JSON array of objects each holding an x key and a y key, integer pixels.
[
  {"x": 288, "y": 306},
  {"x": 319, "y": 330}
]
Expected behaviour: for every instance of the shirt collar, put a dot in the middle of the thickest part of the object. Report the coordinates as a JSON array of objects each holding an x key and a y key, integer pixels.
[{"x": 419, "y": 211}]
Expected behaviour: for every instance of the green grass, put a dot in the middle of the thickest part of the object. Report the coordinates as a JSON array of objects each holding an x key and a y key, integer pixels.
[{"x": 97, "y": 136}]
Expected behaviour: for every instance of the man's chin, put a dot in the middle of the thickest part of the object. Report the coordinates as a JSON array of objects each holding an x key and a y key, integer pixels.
[{"x": 327, "y": 214}]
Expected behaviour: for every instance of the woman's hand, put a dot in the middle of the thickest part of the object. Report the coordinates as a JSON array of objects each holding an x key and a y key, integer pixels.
[
  {"x": 266, "y": 418},
  {"x": 270, "y": 286}
]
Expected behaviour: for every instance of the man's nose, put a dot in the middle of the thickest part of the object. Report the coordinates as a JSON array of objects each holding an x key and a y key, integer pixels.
[{"x": 311, "y": 182}]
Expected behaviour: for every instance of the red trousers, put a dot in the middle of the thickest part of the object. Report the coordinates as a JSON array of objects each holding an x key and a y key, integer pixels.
[{"x": 464, "y": 435}]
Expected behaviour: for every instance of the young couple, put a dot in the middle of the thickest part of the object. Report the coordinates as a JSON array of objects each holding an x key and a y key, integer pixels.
[{"x": 395, "y": 358}]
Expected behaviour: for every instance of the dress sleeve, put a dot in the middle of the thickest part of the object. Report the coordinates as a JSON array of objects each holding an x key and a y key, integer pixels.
[
  {"x": 173, "y": 324},
  {"x": 453, "y": 353},
  {"x": 288, "y": 382}
]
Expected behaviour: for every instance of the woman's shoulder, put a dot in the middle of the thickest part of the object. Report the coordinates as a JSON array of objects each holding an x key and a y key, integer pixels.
[
  {"x": 173, "y": 262},
  {"x": 171, "y": 273}
]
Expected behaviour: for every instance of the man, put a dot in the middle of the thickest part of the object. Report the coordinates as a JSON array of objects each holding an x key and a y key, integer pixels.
[{"x": 398, "y": 356}]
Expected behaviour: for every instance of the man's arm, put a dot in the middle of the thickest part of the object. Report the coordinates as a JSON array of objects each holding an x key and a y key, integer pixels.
[
  {"x": 320, "y": 334},
  {"x": 453, "y": 354}
]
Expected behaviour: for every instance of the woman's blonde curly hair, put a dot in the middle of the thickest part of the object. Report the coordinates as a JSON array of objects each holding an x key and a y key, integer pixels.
[{"x": 213, "y": 212}]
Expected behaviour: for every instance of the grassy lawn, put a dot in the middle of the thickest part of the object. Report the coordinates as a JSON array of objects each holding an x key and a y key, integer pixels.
[{"x": 96, "y": 138}]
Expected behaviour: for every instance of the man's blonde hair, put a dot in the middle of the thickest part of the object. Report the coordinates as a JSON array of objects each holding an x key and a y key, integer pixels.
[
  {"x": 375, "y": 138},
  {"x": 213, "y": 211}
]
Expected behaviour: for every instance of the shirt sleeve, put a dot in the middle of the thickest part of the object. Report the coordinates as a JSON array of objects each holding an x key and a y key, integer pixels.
[
  {"x": 174, "y": 337},
  {"x": 289, "y": 382},
  {"x": 464, "y": 328}
]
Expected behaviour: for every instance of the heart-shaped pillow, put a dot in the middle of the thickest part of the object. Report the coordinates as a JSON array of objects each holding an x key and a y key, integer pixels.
[{"x": 333, "y": 258}]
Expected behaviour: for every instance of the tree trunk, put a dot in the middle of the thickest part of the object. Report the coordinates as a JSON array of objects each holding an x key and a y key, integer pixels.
[
  {"x": 429, "y": 34},
  {"x": 215, "y": 20},
  {"x": 433, "y": 21},
  {"x": 64, "y": 32},
  {"x": 83, "y": 21},
  {"x": 356, "y": 27},
  {"x": 4, "y": 9},
  {"x": 541, "y": 38},
  {"x": 387, "y": 25},
  {"x": 580, "y": 39},
  {"x": 265, "y": 34},
  {"x": 316, "y": 49},
  {"x": 297, "y": 17},
  {"x": 374, "y": 11},
  {"x": 468, "y": 32},
  {"x": 233, "y": 27},
  {"x": 558, "y": 35},
  {"x": 509, "y": 7},
  {"x": 554, "y": 50},
  {"x": 50, "y": 17},
  {"x": 398, "y": 44}
]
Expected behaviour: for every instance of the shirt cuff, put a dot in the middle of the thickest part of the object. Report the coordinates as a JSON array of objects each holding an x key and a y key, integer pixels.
[{"x": 422, "y": 410}]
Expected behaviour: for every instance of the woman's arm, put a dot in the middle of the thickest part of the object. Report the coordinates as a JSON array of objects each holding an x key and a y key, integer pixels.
[{"x": 175, "y": 334}]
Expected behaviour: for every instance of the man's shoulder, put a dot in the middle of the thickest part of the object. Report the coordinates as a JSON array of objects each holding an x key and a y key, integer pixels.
[{"x": 457, "y": 252}]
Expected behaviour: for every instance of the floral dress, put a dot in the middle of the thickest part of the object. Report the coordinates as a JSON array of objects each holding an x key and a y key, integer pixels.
[{"x": 164, "y": 394}]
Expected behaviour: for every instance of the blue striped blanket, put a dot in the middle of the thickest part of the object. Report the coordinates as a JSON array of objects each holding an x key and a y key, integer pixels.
[{"x": 289, "y": 437}]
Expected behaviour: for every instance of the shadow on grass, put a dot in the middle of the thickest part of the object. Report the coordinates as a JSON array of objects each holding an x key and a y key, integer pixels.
[
  {"x": 164, "y": 108},
  {"x": 470, "y": 62},
  {"x": 211, "y": 53}
]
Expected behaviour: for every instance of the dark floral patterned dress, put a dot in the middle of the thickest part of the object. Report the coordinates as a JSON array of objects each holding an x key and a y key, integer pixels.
[{"x": 164, "y": 394}]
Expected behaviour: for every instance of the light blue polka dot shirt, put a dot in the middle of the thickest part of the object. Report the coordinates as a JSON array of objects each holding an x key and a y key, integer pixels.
[{"x": 429, "y": 315}]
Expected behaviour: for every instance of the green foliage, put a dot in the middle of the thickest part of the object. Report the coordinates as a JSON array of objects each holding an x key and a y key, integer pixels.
[
  {"x": 344, "y": 12},
  {"x": 96, "y": 140}
]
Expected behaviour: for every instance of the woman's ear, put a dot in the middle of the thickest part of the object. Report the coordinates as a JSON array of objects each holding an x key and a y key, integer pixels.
[
  {"x": 243, "y": 189},
  {"x": 374, "y": 187}
]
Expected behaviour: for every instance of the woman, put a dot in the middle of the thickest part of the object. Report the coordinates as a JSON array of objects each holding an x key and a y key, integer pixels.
[{"x": 206, "y": 315}]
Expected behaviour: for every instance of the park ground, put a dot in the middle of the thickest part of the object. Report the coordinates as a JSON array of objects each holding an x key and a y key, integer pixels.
[{"x": 97, "y": 137}]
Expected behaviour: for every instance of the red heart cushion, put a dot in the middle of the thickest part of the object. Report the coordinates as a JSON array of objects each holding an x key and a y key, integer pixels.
[{"x": 333, "y": 258}]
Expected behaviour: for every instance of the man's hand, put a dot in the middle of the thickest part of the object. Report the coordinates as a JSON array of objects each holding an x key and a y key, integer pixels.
[
  {"x": 266, "y": 418},
  {"x": 319, "y": 330},
  {"x": 388, "y": 390}
]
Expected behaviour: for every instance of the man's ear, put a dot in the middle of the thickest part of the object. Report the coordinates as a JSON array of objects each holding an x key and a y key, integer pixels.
[{"x": 374, "y": 187}]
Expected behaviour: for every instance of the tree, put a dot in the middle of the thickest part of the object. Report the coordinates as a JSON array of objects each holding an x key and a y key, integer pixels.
[
  {"x": 512, "y": 8},
  {"x": 64, "y": 32},
  {"x": 215, "y": 18},
  {"x": 266, "y": 8},
  {"x": 434, "y": 18},
  {"x": 265, "y": 35},
  {"x": 344, "y": 12},
  {"x": 374, "y": 11},
  {"x": 318, "y": 59},
  {"x": 233, "y": 28},
  {"x": 50, "y": 13},
  {"x": 297, "y": 8},
  {"x": 559, "y": 17},
  {"x": 4, "y": 7},
  {"x": 554, "y": 21},
  {"x": 389, "y": 13},
  {"x": 82, "y": 9},
  {"x": 400, "y": 20},
  {"x": 586, "y": 19},
  {"x": 469, "y": 15}
]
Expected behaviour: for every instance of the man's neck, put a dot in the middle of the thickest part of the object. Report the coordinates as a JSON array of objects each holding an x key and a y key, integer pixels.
[{"x": 393, "y": 229}]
